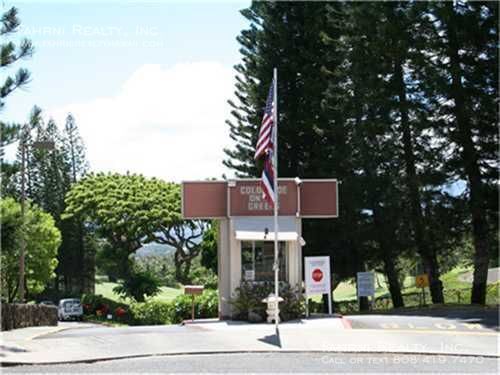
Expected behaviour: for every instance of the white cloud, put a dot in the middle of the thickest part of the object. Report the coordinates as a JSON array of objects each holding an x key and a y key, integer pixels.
[{"x": 164, "y": 122}]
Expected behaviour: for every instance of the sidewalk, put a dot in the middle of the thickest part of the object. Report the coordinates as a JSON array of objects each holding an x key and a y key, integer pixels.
[
  {"x": 211, "y": 336},
  {"x": 18, "y": 340}
]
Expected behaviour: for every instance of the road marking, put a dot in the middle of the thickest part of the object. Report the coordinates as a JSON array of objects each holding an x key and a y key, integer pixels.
[
  {"x": 446, "y": 326},
  {"x": 473, "y": 325},
  {"x": 411, "y": 326},
  {"x": 40, "y": 334},
  {"x": 432, "y": 331}
]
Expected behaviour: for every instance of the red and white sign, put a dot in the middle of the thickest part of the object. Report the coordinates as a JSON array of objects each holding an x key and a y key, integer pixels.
[{"x": 317, "y": 274}]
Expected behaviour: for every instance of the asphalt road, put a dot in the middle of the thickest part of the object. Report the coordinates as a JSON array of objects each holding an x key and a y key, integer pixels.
[{"x": 278, "y": 363}]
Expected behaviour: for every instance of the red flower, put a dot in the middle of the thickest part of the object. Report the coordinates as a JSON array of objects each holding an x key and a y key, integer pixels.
[{"x": 120, "y": 311}]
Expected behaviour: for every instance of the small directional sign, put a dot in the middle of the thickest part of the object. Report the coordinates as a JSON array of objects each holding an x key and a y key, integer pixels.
[{"x": 422, "y": 281}]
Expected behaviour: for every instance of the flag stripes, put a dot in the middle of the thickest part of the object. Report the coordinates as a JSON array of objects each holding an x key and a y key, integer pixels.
[
  {"x": 265, "y": 140},
  {"x": 265, "y": 148}
]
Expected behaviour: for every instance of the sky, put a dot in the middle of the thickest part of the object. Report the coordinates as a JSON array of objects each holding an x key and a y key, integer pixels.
[{"x": 147, "y": 81}]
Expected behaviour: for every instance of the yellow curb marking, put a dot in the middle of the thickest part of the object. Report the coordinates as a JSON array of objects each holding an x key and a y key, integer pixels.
[
  {"x": 46, "y": 333},
  {"x": 431, "y": 331}
]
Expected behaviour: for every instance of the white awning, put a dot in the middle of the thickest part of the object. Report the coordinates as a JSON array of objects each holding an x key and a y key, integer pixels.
[{"x": 254, "y": 228}]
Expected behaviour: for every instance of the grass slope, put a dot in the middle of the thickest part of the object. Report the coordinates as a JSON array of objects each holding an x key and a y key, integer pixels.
[
  {"x": 451, "y": 280},
  {"x": 105, "y": 288}
]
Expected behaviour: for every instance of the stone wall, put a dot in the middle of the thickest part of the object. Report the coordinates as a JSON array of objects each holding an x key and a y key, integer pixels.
[{"x": 15, "y": 315}]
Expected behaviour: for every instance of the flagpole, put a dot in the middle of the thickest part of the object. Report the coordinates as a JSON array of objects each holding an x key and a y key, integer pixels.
[{"x": 276, "y": 195}]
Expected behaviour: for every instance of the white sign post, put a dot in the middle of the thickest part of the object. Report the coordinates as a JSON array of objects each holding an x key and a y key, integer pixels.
[
  {"x": 317, "y": 278},
  {"x": 366, "y": 285}
]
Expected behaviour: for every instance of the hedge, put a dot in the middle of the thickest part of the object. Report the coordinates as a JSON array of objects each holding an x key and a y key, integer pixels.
[
  {"x": 153, "y": 312},
  {"x": 15, "y": 315}
]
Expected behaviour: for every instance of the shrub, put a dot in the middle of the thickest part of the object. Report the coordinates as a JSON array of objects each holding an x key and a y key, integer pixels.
[
  {"x": 181, "y": 308},
  {"x": 248, "y": 300},
  {"x": 293, "y": 306},
  {"x": 138, "y": 285},
  {"x": 203, "y": 276},
  {"x": 208, "y": 304},
  {"x": 175, "y": 311},
  {"x": 150, "y": 313}
]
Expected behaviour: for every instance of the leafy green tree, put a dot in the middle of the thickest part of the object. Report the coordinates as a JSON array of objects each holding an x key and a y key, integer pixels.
[
  {"x": 161, "y": 266},
  {"x": 209, "y": 247},
  {"x": 130, "y": 210},
  {"x": 43, "y": 240}
]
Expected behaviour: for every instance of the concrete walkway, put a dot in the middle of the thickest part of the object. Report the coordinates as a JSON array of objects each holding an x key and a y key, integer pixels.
[{"x": 92, "y": 343}]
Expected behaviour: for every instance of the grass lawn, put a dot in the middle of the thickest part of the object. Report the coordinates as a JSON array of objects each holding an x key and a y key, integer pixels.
[
  {"x": 105, "y": 288},
  {"x": 347, "y": 289}
]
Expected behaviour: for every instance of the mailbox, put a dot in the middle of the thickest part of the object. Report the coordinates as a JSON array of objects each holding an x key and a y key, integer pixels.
[{"x": 193, "y": 290}]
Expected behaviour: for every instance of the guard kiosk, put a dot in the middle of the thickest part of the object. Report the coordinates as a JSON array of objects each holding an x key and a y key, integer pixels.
[{"x": 245, "y": 247}]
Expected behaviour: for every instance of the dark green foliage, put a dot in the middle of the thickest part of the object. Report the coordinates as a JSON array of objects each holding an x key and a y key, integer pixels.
[
  {"x": 50, "y": 174},
  {"x": 396, "y": 100},
  {"x": 10, "y": 54},
  {"x": 209, "y": 247},
  {"x": 161, "y": 266},
  {"x": 138, "y": 285},
  {"x": 42, "y": 239},
  {"x": 203, "y": 276}
]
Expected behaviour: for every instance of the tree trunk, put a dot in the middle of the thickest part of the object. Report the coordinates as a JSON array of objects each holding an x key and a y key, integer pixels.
[
  {"x": 186, "y": 271},
  {"x": 393, "y": 279},
  {"x": 81, "y": 256},
  {"x": 388, "y": 254},
  {"x": 471, "y": 166},
  {"x": 428, "y": 257}
]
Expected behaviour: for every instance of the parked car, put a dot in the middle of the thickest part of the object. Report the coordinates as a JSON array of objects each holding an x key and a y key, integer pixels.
[
  {"x": 47, "y": 303},
  {"x": 70, "y": 308}
]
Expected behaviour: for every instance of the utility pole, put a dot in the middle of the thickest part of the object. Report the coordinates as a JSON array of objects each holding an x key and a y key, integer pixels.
[{"x": 23, "y": 208}]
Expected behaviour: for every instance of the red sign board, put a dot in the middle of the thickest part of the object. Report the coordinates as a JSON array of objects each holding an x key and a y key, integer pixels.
[
  {"x": 246, "y": 199},
  {"x": 219, "y": 199}
]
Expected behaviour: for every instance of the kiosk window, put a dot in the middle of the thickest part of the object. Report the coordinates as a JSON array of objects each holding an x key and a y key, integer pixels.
[{"x": 257, "y": 258}]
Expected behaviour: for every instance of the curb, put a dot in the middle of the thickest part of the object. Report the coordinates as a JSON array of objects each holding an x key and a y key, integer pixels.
[
  {"x": 57, "y": 330},
  {"x": 223, "y": 352},
  {"x": 346, "y": 322}
]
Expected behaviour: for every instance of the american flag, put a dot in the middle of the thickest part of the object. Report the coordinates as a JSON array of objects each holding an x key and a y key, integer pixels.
[
  {"x": 265, "y": 147},
  {"x": 265, "y": 141},
  {"x": 267, "y": 182}
]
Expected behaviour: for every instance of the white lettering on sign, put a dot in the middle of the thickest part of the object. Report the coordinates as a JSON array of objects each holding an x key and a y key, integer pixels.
[{"x": 256, "y": 200}]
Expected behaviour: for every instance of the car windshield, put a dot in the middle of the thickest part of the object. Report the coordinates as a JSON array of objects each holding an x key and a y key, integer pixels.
[{"x": 71, "y": 303}]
